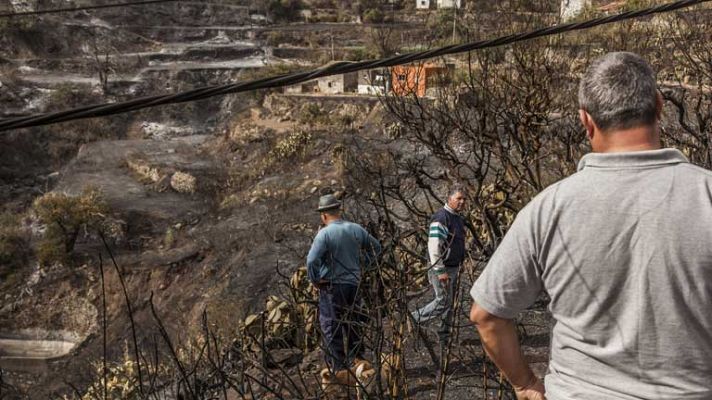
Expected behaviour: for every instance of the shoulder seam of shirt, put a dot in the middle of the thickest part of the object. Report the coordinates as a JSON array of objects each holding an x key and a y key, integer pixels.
[
  {"x": 697, "y": 168},
  {"x": 439, "y": 216},
  {"x": 547, "y": 190}
]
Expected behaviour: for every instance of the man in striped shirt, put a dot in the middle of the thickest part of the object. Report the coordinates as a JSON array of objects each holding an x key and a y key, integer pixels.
[{"x": 446, "y": 251}]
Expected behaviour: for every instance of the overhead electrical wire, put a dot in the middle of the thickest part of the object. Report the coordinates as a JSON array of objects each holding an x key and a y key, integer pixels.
[
  {"x": 341, "y": 67},
  {"x": 63, "y": 10}
]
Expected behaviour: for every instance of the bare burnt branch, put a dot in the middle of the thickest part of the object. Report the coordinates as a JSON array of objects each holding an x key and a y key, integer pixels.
[{"x": 505, "y": 128}]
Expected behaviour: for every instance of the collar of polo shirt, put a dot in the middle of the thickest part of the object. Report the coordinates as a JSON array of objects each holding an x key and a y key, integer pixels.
[{"x": 633, "y": 159}]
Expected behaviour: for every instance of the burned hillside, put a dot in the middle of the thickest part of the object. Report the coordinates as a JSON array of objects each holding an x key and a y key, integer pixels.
[{"x": 170, "y": 242}]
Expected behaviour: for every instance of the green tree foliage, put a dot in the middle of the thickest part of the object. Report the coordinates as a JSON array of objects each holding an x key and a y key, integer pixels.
[
  {"x": 65, "y": 217},
  {"x": 284, "y": 10},
  {"x": 313, "y": 114},
  {"x": 371, "y": 11},
  {"x": 373, "y": 16},
  {"x": 441, "y": 25}
]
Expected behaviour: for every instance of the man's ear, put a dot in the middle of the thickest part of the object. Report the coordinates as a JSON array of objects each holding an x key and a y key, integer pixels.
[
  {"x": 587, "y": 123},
  {"x": 659, "y": 102}
]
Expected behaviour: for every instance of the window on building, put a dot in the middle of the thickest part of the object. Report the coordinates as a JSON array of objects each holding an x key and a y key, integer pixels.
[
  {"x": 402, "y": 78},
  {"x": 329, "y": 84},
  {"x": 435, "y": 78}
]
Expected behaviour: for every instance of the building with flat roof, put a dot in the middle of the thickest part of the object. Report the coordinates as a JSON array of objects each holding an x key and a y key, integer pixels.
[
  {"x": 374, "y": 82},
  {"x": 449, "y": 3},
  {"x": 422, "y": 4},
  {"x": 418, "y": 79},
  {"x": 427, "y": 4},
  {"x": 343, "y": 83},
  {"x": 304, "y": 87}
]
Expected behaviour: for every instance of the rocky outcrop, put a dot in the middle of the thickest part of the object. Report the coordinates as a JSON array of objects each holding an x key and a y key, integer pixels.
[{"x": 570, "y": 9}]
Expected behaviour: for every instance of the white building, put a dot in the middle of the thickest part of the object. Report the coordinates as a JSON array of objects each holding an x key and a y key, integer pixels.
[
  {"x": 374, "y": 82},
  {"x": 449, "y": 3},
  {"x": 304, "y": 87},
  {"x": 422, "y": 4},
  {"x": 570, "y": 9},
  {"x": 336, "y": 84}
]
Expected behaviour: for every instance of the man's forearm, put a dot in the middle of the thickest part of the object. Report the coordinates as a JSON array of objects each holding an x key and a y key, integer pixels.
[
  {"x": 436, "y": 259},
  {"x": 500, "y": 341},
  {"x": 436, "y": 241},
  {"x": 313, "y": 270}
]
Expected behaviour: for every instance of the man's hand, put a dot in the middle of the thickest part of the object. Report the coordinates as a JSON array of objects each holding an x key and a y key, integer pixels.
[
  {"x": 500, "y": 341},
  {"x": 534, "y": 391},
  {"x": 443, "y": 277}
]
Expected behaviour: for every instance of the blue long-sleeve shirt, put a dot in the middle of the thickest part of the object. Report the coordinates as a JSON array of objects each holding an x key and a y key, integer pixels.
[{"x": 335, "y": 254}]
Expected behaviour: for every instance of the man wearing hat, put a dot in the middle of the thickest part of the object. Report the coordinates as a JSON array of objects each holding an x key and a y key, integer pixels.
[{"x": 334, "y": 267}]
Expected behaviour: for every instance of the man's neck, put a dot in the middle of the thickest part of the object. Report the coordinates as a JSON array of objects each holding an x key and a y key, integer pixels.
[
  {"x": 626, "y": 140},
  {"x": 332, "y": 220},
  {"x": 450, "y": 209}
]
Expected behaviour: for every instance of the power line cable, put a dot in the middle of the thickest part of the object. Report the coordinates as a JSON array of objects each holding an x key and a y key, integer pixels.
[
  {"x": 340, "y": 67},
  {"x": 63, "y": 10}
]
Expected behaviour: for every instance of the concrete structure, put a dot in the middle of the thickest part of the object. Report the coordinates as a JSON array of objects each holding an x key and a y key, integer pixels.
[
  {"x": 374, "y": 82},
  {"x": 426, "y": 4},
  {"x": 258, "y": 18},
  {"x": 418, "y": 79},
  {"x": 449, "y": 3},
  {"x": 344, "y": 83},
  {"x": 422, "y": 4},
  {"x": 304, "y": 87},
  {"x": 29, "y": 350}
]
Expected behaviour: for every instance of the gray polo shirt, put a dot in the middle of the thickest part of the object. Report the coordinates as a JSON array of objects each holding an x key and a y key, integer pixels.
[{"x": 624, "y": 249}]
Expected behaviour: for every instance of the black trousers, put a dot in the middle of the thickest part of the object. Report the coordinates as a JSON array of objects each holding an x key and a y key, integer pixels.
[{"x": 340, "y": 317}]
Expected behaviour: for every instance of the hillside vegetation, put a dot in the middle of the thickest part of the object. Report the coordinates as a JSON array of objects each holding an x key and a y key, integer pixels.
[{"x": 178, "y": 234}]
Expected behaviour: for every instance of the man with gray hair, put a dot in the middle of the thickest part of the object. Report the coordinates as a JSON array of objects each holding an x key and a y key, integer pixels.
[
  {"x": 622, "y": 248},
  {"x": 446, "y": 251}
]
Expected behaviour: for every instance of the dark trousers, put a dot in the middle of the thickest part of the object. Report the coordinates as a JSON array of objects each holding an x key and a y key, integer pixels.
[{"x": 340, "y": 317}]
